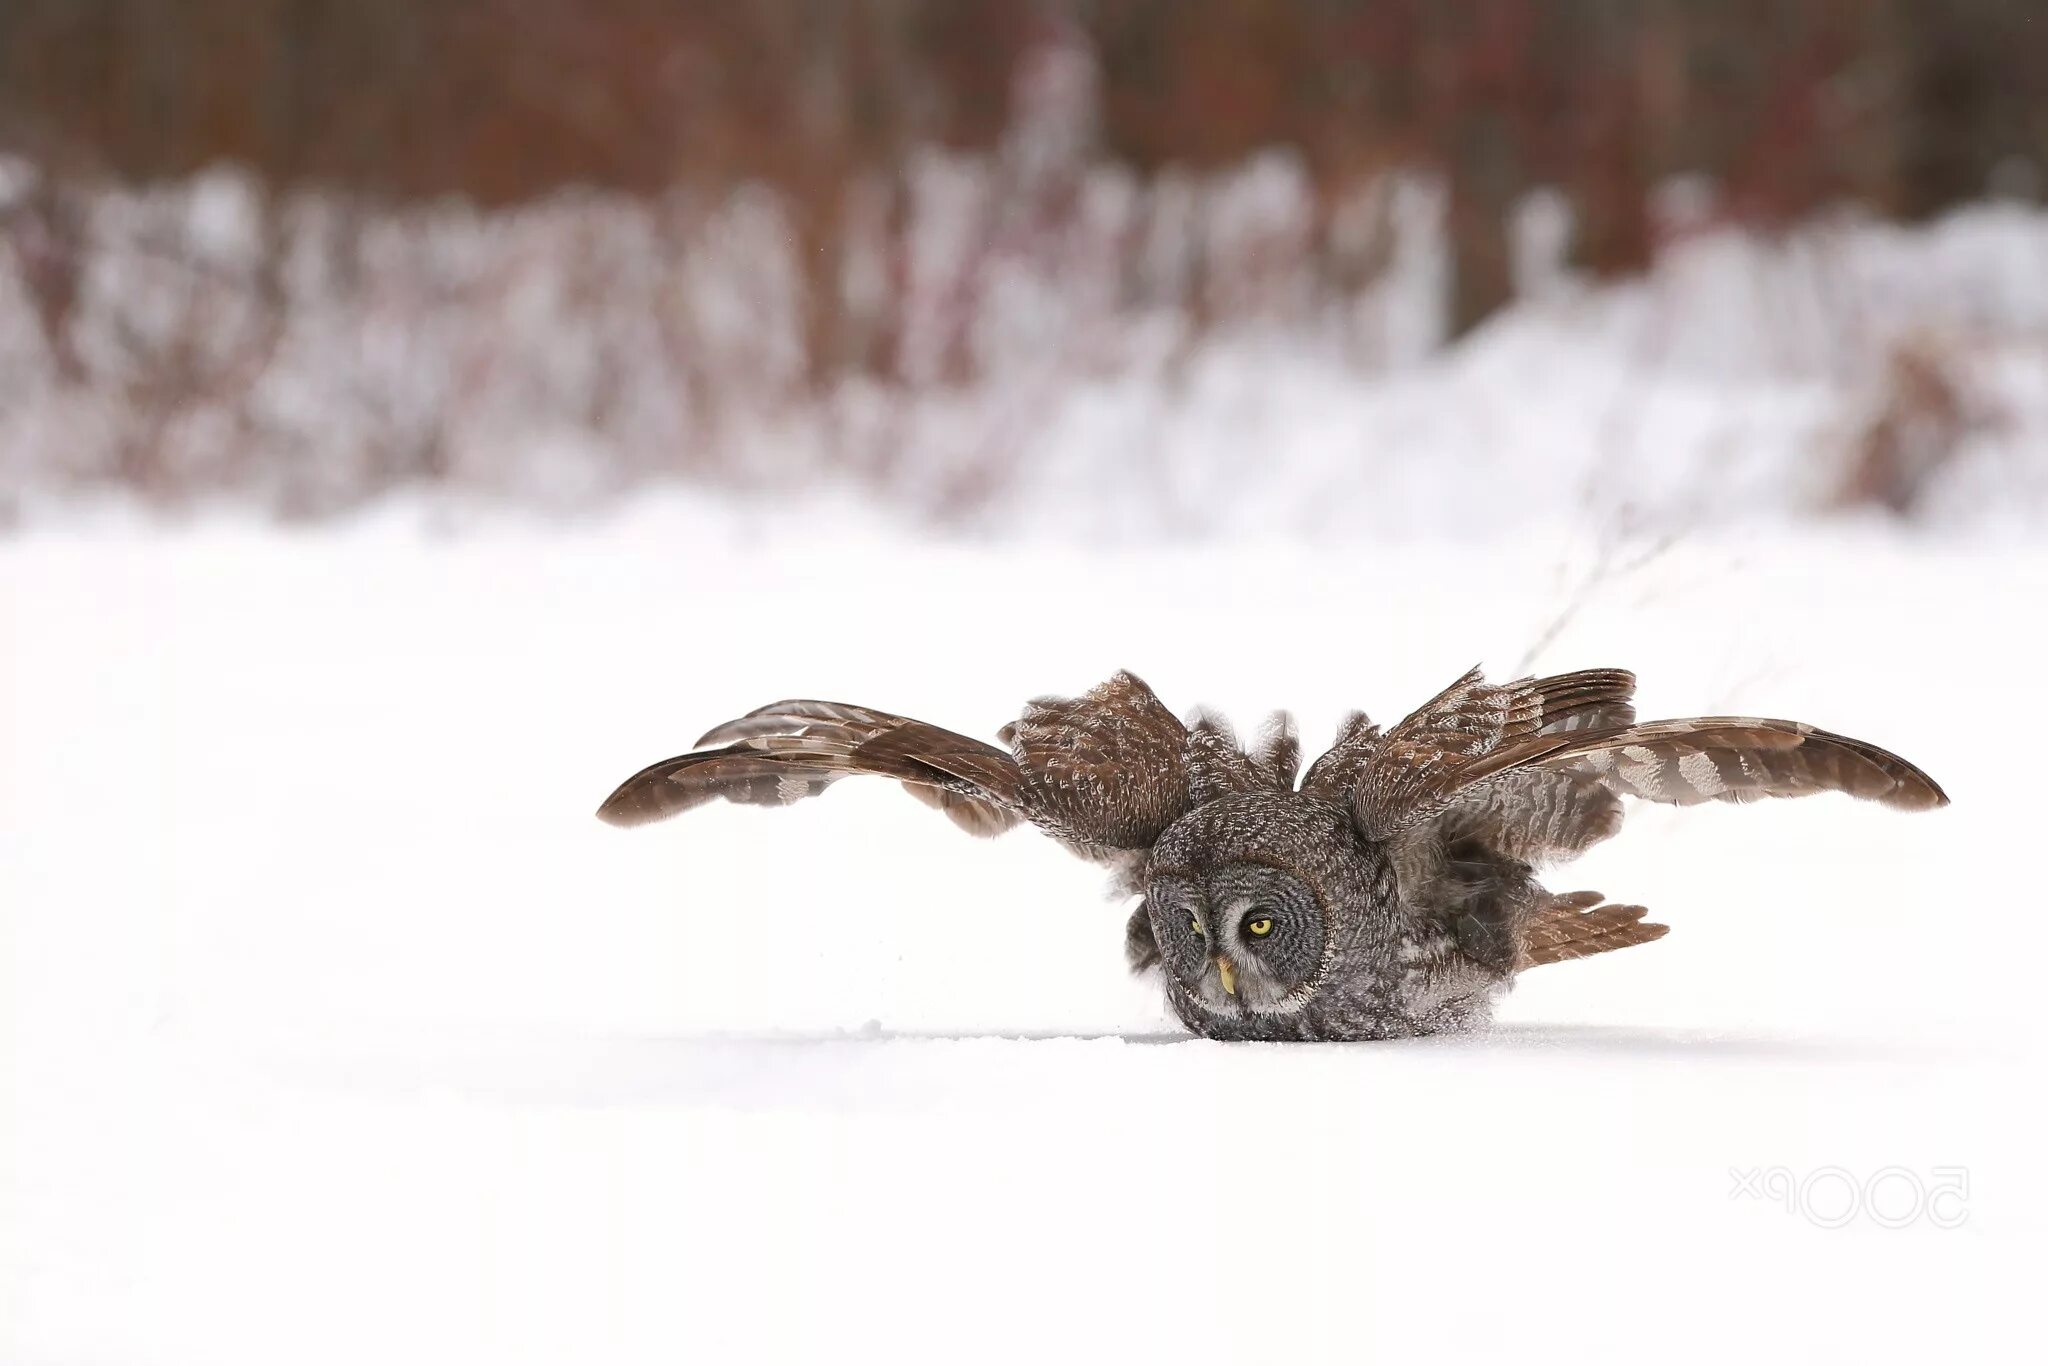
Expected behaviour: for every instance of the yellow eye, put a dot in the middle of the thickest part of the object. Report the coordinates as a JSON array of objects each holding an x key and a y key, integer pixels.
[
  {"x": 1259, "y": 926},
  {"x": 1196, "y": 926}
]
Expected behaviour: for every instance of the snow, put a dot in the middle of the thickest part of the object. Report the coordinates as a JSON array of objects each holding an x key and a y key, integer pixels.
[{"x": 339, "y": 1030}]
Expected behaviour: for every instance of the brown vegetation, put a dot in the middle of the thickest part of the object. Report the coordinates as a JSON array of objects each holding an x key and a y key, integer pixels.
[{"x": 1908, "y": 105}]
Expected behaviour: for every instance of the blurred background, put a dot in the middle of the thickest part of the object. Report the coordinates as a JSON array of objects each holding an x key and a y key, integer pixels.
[
  {"x": 418, "y": 415},
  {"x": 1173, "y": 268}
]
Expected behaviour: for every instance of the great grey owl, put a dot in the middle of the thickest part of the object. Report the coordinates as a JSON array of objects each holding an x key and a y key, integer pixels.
[{"x": 1390, "y": 892}]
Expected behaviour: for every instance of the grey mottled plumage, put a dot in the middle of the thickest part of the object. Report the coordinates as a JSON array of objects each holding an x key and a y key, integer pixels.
[{"x": 1390, "y": 892}]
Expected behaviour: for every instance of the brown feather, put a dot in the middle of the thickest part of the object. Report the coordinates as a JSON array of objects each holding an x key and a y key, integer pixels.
[
  {"x": 1462, "y": 733},
  {"x": 1276, "y": 759},
  {"x": 1578, "y": 926},
  {"x": 1217, "y": 764},
  {"x": 1334, "y": 776},
  {"x": 1741, "y": 758},
  {"x": 1106, "y": 772},
  {"x": 1539, "y": 815},
  {"x": 795, "y": 749},
  {"x": 1471, "y": 735},
  {"x": 977, "y": 817}
]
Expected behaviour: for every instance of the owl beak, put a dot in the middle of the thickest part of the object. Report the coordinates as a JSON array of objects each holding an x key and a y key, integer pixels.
[{"x": 1229, "y": 976}]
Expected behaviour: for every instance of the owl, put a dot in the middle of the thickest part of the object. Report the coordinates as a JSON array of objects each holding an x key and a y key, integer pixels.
[{"x": 1388, "y": 892}]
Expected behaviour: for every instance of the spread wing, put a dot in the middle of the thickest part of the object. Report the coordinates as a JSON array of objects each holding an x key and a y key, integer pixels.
[
  {"x": 787, "y": 751},
  {"x": 1484, "y": 781},
  {"x": 1541, "y": 761},
  {"x": 1415, "y": 770},
  {"x": 1105, "y": 773}
]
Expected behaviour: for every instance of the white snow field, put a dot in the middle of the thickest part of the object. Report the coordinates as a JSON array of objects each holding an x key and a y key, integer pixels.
[{"x": 339, "y": 1031}]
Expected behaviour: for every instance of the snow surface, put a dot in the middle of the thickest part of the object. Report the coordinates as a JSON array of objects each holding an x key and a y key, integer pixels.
[{"x": 341, "y": 1032}]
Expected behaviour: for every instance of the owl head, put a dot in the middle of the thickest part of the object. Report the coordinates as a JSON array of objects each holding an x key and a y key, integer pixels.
[{"x": 1250, "y": 902}]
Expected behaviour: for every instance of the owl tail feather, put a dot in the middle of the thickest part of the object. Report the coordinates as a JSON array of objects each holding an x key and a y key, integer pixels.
[{"x": 1577, "y": 925}]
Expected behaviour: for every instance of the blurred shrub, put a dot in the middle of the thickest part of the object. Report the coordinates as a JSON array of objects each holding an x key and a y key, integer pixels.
[
  {"x": 314, "y": 249},
  {"x": 1922, "y": 423}
]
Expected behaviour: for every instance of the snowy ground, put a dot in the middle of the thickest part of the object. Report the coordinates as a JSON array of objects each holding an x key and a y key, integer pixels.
[{"x": 341, "y": 1032}]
